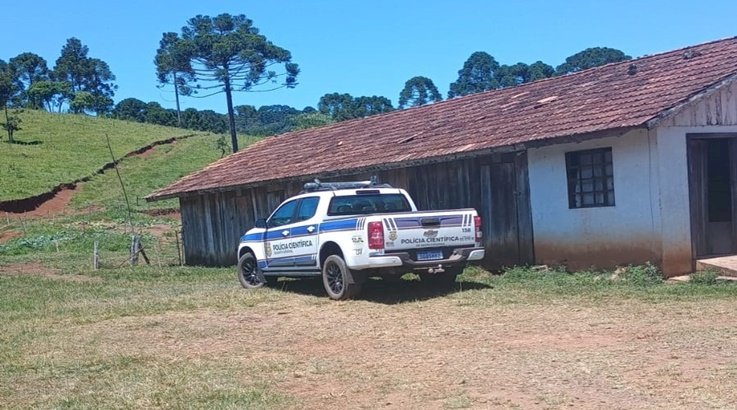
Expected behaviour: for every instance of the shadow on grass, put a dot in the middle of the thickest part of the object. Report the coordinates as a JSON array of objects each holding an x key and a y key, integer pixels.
[
  {"x": 383, "y": 291},
  {"x": 20, "y": 142}
]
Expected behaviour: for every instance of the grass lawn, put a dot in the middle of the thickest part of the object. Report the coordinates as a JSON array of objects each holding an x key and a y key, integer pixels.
[
  {"x": 173, "y": 337},
  {"x": 65, "y": 147}
]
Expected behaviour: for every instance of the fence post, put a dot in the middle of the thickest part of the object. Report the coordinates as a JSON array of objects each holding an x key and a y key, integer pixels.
[
  {"x": 95, "y": 257},
  {"x": 133, "y": 257},
  {"x": 179, "y": 249}
]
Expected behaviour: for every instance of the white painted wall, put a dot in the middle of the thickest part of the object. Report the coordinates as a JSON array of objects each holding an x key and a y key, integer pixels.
[
  {"x": 651, "y": 218},
  {"x": 628, "y": 232}
]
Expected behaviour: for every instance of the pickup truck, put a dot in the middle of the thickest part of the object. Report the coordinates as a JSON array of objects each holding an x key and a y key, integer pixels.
[{"x": 346, "y": 232}]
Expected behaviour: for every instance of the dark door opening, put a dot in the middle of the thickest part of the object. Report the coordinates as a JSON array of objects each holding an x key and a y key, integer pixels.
[{"x": 712, "y": 181}]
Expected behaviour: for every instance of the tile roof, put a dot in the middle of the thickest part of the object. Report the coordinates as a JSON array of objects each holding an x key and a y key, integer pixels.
[{"x": 614, "y": 96}]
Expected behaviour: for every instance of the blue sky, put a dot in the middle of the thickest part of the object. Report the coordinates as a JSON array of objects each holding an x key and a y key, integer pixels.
[{"x": 362, "y": 47}]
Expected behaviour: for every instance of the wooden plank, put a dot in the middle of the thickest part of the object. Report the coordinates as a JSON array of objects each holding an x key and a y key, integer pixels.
[
  {"x": 209, "y": 246},
  {"x": 503, "y": 222},
  {"x": 525, "y": 235},
  {"x": 486, "y": 211},
  {"x": 191, "y": 230}
]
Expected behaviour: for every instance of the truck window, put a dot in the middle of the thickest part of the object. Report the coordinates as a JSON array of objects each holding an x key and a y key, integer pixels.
[
  {"x": 368, "y": 204},
  {"x": 307, "y": 208},
  {"x": 284, "y": 215}
]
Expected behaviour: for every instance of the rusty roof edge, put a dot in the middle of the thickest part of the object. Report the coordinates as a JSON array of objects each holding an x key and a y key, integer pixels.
[
  {"x": 699, "y": 95},
  {"x": 541, "y": 142}
]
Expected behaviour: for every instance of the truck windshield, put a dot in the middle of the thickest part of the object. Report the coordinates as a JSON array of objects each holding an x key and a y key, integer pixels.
[{"x": 368, "y": 204}]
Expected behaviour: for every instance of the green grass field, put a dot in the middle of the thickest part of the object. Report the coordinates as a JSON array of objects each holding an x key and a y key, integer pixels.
[{"x": 66, "y": 147}]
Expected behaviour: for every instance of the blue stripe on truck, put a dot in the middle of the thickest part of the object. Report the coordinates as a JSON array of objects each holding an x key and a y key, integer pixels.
[{"x": 340, "y": 225}]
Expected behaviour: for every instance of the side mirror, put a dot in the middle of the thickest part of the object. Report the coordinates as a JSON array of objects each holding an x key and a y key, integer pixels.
[{"x": 260, "y": 223}]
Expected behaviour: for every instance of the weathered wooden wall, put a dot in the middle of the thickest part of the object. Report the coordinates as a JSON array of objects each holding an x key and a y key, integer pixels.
[
  {"x": 718, "y": 108},
  {"x": 496, "y": 185}
]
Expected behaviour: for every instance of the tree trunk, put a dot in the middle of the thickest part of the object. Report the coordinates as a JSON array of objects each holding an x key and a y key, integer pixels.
[
  {"x": 231, "y": 118},
  {"x": 7, "y": 126},
  {"x": 176, "y": 94}
]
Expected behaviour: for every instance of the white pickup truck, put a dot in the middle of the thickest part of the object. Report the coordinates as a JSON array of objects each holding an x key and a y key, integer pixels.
[{"x": 349, "y": 231}]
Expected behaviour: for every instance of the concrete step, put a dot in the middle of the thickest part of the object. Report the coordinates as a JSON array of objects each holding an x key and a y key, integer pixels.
[{"x": 723, "y": 265}]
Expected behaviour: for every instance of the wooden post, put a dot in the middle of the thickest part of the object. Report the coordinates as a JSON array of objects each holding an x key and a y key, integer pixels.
[
  {"x": 133, "y": 255},
  {"x": 95, "y": 257},
  {"x": 179, "y": 249}
]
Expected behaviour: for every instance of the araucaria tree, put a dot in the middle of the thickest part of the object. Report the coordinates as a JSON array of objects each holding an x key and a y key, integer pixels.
[
  {"x": 418, "y": 91},
  {"x": 89, "y": 79},
  {"x": 7, "y": 90},
  {"x": 590, "y": 58},
  {"x": 173, "y": 66},
  {"x": 478, "y": 74},
  {"x": 29, "y": 69},
  {"x": 226, "y": 53}
]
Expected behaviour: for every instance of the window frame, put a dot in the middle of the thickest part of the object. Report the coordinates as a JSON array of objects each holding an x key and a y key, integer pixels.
[{"x": 601, "y": 162}]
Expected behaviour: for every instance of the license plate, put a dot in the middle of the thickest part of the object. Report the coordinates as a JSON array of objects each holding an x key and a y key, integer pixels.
[{"x": 429, "y": 255}]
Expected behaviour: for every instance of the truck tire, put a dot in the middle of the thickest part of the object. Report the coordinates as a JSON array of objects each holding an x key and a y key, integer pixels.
[
  {"x": 339, "y": 282},
  {"x": 248, "y": 274}
]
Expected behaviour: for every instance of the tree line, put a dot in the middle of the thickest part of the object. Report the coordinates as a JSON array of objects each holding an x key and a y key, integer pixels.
[{"x": 226, "y": 54}]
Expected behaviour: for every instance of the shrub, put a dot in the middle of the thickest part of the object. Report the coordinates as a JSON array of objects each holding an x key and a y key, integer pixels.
[
  {"x": 647, "y": 274},
  {"x": 707, "y": 277}
]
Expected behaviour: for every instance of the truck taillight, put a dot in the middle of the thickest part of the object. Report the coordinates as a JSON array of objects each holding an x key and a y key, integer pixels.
[
  {"x": 375, "y": 235},
  {"x": 477, "y": 228}
]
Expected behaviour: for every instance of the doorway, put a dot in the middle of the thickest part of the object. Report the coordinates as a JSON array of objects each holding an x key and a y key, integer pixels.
[{"x": 712, "y": 160}]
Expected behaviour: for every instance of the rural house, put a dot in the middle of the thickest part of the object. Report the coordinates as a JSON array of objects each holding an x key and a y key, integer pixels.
[{"x": 621, "y": 164}]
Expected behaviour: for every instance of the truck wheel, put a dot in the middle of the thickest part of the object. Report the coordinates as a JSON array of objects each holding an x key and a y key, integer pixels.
[
  {"x": 339, "y": 281},
  {"x": 248, "y": 275}
]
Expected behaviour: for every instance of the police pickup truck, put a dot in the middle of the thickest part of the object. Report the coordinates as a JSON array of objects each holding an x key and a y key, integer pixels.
[{"x": 349, "y": 231}]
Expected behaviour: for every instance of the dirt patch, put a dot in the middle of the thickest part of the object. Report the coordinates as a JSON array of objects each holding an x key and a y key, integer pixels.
[
  {"x": 54, "y": 205},
  {"x": 169, "y": 213},
  {"x": 37, "y": 269},
  {"x": 440, "y": 353},
  {"x": 143, "y": 154},
  {"x": 9, "y": 235}
]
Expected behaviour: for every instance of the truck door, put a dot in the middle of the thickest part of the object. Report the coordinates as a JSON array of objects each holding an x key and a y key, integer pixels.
[
  {"x": 291, "y": 236},
  {"x": 304, "y": 232},
  {"x": 276, "y": 245}
]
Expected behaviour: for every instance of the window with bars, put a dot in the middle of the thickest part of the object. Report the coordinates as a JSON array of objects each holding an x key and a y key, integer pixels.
[{"x": 590, "y": 178}]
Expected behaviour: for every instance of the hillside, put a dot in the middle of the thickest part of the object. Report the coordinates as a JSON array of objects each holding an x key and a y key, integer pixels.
[
  {"x": 151, "y": 170},
  {"x": 53, "y": 149}
]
